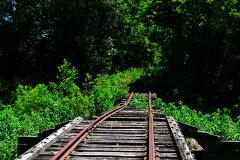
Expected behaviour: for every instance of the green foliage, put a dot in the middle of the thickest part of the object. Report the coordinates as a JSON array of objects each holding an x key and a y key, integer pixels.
[
  {"x": 37, "y": 108},
  {"x": 32, "y": 99},
  {"x": 13, "y": 125},
  {"x": 67, "y": 86},
  {"x": 139, "y": 102},
  {"x": 195, "y": 37},
  {"x": 218, "y": 122},
  {"x": 191, "y": 49},
  {"x": 41, "y": 107},
  {"x": 108, "y": 89},
  {"x": 193, "y": 45},
  {"x": 67, "y": 76},
  {"x": 88, "y": 82}
]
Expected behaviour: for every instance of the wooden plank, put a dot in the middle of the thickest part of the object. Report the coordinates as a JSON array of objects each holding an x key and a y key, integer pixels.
[
  {"x": 119, "y": 141},
  {"x": 162, "y": 119},
  {"x": 117, "y": 137},
  {"x": 125, "y": 122},
  {"x": 120, "y": 129},
  {"x": 162, "y": 146},
  {"x": 45, "y": 143},
  {"x": 95, "y": 148},
  {"x": 162, "y": 129},
  {"x": 117, "y": 132},
  {"x": 169, "y": 142},
  {"x": 110, "y": 154},
  {"x": 122, "y": 149},
  {"x": 127, "y": 118},
  {"x": 103, "y": 158},
  {"x": 120, "y": 134},
  {"x": 116, "y": 141},
  {"x": 114, "y": 136},
  {"x": 168, "y": 155},
  {"x": 49, "y": 153},
  {"x": 163, "y": 138},
  {"x": 179, "y": 139},
  {"x": 111, "y": 145},
  {"x": 167, "y": 150},
  {"x": 133, "y": 111},
  {"x": 123, "y": 127}
]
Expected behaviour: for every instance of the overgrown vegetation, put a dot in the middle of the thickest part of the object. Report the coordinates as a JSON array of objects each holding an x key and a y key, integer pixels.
[
  {"x": 218, "y": 122},
  {"x": 189, "y": 49},
  {"x": 41, "y": 107},
  {"x": 139, "y": 102},
  {"x": 195, "y": 43}
]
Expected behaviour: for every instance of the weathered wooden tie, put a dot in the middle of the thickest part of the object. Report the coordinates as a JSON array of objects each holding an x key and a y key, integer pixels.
[{"x": 127, "y": 134}]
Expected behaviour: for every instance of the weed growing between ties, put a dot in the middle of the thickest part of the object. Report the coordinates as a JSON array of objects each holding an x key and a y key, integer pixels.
[
  {"x": 139, "y": 102},
  {"x": 38, "y": 108},
  {"x": 219, "y": 122}
]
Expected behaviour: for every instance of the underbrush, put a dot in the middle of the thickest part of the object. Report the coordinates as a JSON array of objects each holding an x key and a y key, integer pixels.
[
  {"x": 139, "y": 102},
  {"x": 218, "y": 122},
  {"x": 38, "y": 108}
]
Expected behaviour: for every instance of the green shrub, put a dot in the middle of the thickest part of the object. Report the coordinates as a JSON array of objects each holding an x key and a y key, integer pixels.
[
  {"x": 109, "y": 89},
  {"x": 67, "y": 86},
  {"x": 139, "y": 102},
  {"x": 29, "y": 124},
  {"x": 219, "y": 122},
  {"x": 41, "y": 107},
  {"x": 32, "y": 99}
]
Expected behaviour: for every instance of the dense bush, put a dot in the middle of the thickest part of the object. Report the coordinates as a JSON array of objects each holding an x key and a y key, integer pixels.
[
  {"x": 13, "y": 125},
  {"x": 41, "y": 107},
  {"x": 109, "y": 89},
  {"x": 218, "y": 122}
]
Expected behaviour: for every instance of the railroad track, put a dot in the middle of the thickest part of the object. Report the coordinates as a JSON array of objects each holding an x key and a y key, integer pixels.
[{"x": 122, "y": 133}]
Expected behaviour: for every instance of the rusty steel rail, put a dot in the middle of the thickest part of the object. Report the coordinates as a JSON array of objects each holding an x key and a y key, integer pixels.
[
  {"x": 69, "y": 148},
  {"x": 121, "y": 133},
  {"x": 151, "y": 148}
]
